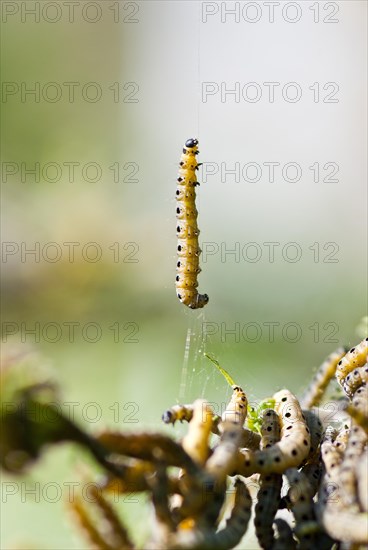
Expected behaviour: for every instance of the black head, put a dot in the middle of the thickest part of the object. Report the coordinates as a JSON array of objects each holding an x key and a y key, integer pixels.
[{"x": 191, "y": 142}]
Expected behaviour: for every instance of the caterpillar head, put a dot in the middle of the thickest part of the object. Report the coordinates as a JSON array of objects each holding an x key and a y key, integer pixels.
[{"x": 191, "y": 143}]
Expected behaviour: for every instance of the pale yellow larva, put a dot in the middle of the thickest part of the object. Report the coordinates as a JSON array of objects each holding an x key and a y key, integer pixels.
[
  {"x": 178, "y": 412},
  {"x": 236, "y": 410},
  {"x": 224, "y": 457},
  {"x": 196, "y": 441},
  {"x": 354, "y": 380},
  {"x": 347, "y": 472},
  {"x": 294, "y": 444},
  {"x": 353, "y": 359},
  {"x": 321, "y": 379},
  {"x": 341, "y": 523},
  {"x": 358, "y": 409},
  {"x": 188, "y": 250}
]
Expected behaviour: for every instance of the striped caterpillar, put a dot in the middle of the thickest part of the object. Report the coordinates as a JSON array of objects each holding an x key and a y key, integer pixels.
[{"x": 187, "y": 230}]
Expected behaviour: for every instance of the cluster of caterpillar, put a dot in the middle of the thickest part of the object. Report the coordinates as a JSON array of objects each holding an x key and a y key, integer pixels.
[
  {"x": 310, "y": 483},
  {"x": 187, "y": 266},
  {"x": 343, "y": 496}
]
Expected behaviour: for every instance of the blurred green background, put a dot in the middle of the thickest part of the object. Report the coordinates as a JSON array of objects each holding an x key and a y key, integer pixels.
[{"x": 148, "y": 60}]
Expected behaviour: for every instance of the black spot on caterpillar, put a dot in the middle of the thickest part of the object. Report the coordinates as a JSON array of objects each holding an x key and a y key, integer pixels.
[{"x": 187, "y": 266}]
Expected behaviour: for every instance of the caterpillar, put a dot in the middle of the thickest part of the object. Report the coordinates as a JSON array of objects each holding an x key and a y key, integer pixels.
[
  {"x": 196, "y": 441},
  {"x": 228, "y": 537},
  {"x": 347, "y": 476},
  {"x": 358, "y": 408},
  {"x": 185, "y": 412},
  {"x": 316, "y": 431},
  {"x": 321, "y": 379},
  {"x": 284, "y": 538},
  {"x": 147, "y": 447},
  {"x": 237, "y": 409},
  {"x": 293, "y": 447},
  {"x": 361, "y": 472},
  {"x": 355, "y": 358},
  {"x": 341, "y": 522},
  {"x": 187, "y": 266},
  {"x": 355, "y": 379},
  {"x": 268, "y": 497},
  {"x": 341, "y": 439},
  {"x": 159, "y": 485},
  {"x": 300, "y": 498},
  {"x": 224, "y": 456},
  {"x": 178, "y": 412},
  {"x": 107, "y": 531}
]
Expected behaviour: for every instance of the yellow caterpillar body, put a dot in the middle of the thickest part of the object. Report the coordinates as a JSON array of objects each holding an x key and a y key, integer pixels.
[
  {"x": 353, "y": 359},
  {"x": 187, "y": 267}
]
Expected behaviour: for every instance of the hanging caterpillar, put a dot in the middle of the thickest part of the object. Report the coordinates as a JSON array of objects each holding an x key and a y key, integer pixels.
[{"x": 187, "y": 230}]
